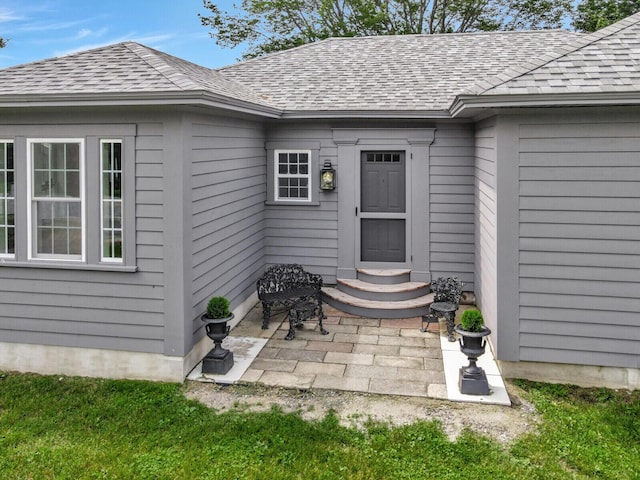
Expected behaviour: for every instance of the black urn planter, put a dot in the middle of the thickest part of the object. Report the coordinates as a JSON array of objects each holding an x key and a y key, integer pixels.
[
  {"x": 219, "y": 360},
  {"x": 473, "y": 379}
]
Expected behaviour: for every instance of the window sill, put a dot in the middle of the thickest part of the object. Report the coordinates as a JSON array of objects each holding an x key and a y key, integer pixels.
[
  {"x": 68, "y": 266},
  {"x": 289, "y": 203}
]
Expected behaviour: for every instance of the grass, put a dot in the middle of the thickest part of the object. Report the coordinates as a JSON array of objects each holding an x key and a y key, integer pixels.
[{"x": 61, "y": 427}]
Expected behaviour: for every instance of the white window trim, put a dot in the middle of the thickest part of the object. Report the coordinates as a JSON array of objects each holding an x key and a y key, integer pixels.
[
  {"x": 277, "y": 175},
  {"x": 122, "y": 223},
  {"x": 11, "y": 256},
  {"x": 31, "y": 255}
]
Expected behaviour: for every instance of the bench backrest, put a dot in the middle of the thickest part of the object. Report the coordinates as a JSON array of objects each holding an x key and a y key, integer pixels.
[{"x": 282, "y": 278}]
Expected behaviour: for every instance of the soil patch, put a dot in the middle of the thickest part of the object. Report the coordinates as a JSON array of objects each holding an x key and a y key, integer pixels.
[{"x": 354, "y": 409}]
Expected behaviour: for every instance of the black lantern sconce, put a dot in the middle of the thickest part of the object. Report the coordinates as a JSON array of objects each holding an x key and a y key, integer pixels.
[{"x": 327, "y": 177}]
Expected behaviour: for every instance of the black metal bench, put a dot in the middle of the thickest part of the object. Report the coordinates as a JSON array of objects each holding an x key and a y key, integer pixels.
[{"x": 287, "y": 285}]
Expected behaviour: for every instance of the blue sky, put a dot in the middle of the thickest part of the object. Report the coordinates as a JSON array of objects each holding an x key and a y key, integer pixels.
[{"x": 39, "y": 29}]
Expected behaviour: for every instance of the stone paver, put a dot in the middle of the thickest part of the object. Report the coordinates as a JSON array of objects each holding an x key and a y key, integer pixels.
[
  {"x": 437, "y": 390},
  {"x": 355, "y": 338},
  {"x": 251, "y": 375},
  {"x": 366, "y": 322},
  {"x": 267, "y": 352},
  {"x": 351, "y": 384},
  {"x": 313, "y": 335},
  {"x": 370, "y": 371},
  {"x": 413, "y": 322},
  {"x": 318, "y": 368},
  {"x": 376, "y": 349},
  {"x": 288, "y": 344},
  {"x": 331, "y": 347},
  {"x": 399, "y": 362},
  {"x": 421, "y": 352},
  {"x": 272, "y": 364},
  {"x": 402, "y": 341},
  {"x": 429, "y": 376},
  {"x": 287, "y": 380},
  {"x": 304, "y": 355},
  {"x": 349, "y": 358},
  {"x": 392, "y": 332},
  {"x": 399, "y": 387},
  {"x": 343, "y": 329}
]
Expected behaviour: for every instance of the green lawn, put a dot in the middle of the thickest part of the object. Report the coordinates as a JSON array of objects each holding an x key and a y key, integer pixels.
[{"x": 60, "y": 427}]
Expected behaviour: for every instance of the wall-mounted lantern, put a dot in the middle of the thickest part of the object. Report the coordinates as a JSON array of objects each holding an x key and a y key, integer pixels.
[{"x": 327, "y": 177}]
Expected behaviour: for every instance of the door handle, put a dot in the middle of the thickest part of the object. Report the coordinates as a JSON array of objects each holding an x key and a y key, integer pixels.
[{"x": 356, "y": 211}]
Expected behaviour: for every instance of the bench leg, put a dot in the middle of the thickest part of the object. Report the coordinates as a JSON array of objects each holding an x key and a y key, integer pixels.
[
  {"x": 266, "y": 313},
  {"x": 293, "y": 321},
  {"x": 322, "y": 330}
]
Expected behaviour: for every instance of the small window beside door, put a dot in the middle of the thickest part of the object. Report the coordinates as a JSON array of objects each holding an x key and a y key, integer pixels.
[{"x": 292, "y": 175}]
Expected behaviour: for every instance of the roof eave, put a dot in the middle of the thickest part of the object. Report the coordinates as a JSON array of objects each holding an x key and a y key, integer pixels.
[
  {"x": 194, "y": 98},
  {"x": 470, "y": 105},
  {"x": 372, "y": 114}
]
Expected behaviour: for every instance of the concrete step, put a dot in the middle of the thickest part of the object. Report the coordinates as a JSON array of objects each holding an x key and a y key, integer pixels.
[
  {"x": 384, "y": 276},
  {"x": 383, "y": 292},
  {"x": 375, "y": 308}
]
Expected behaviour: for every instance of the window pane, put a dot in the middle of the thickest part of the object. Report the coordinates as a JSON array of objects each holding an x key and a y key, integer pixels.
[
  {"x": 7, "y": 200},
  {"x": 41, "y": 156},
  {"x": 111, "y": 204},
  {"x": 73, "y": 184},
  {"x": 72, "y": 156},
  {"x": 45, "y": 241}
]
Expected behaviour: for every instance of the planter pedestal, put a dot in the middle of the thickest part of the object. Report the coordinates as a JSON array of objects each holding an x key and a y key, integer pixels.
[
  {"x": 219, "y": 360},
  {"x": 472, "y": 378}
]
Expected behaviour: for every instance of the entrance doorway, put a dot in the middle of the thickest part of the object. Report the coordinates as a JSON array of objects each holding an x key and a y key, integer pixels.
[{"x": 383, "y": 209}]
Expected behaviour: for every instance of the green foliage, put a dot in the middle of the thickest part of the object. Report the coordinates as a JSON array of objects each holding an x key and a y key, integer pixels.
[
  {"x": 472, "y": 320},
  {"x": 61, "y": 427},
  {"x": 272, "y": 25},
  {"x": 218, "y": 307},
  {"x": 592, "y": 15}
]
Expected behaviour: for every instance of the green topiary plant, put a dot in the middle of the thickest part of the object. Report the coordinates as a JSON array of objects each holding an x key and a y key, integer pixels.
[
  {"x": 472, "y": 320},
  {"x": 218, "y": 307}
]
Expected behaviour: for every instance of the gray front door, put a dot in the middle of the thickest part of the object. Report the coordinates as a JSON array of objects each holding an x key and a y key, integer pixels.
[{"x": 383, "y": 206}]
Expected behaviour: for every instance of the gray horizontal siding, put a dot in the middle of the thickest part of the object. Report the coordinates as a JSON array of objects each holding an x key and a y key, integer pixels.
[
  {"x": 228, "y": 191},
  {"x": 451, "y": 203},
  {"x": 95, "y": 309},
  {"x": 305, "y": 234},
  {"x": 579, "y": 227},
  {"x": 486, "y": 248}
]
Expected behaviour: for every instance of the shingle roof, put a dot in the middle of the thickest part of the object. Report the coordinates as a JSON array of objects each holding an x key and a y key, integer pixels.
[
  {"x": 122, "y": 68},
  {"x": 605, "y": 61},
  {"x": 386, "y": 73}
]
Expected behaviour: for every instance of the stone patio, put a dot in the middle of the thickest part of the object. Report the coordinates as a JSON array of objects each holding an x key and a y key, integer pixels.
[{"x": 379, "y": 356}]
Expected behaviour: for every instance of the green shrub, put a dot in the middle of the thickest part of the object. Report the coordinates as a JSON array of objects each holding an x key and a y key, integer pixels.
[
  {"x": 218, "y": 307},
  {"x": 472, "y": 320}
]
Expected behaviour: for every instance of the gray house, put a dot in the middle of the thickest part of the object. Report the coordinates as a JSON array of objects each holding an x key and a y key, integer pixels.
[{"x": 135, "y": 185}]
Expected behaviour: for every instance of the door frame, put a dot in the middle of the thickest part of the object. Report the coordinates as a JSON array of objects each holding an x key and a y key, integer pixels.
[{"x": 415, "y": 142}]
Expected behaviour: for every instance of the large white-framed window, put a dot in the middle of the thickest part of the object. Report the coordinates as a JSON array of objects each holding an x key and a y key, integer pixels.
[
  {"x": 56, "y": 190},
  {"x": 7, "y": 200},
  {"x": 292, "y": 175},
  {"x": 111, "y": 200}
]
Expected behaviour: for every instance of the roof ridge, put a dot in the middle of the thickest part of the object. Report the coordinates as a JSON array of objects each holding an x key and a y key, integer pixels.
[
  {"x": 581, "y": 41},
  {"x": 371, "y": 37},
  {"x": 154, "y": 58}
]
